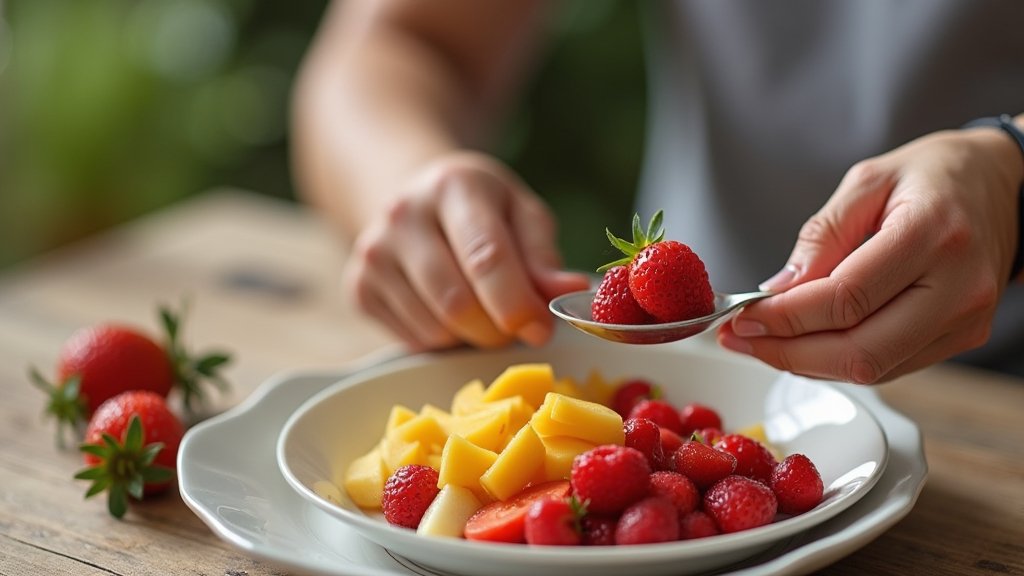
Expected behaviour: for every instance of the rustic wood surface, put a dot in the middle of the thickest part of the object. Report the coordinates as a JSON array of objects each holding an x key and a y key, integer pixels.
[{"x": 262, "y": 276}]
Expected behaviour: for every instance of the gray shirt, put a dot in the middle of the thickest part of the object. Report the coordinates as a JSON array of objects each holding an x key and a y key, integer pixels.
[{"x": 757, "y": 109}]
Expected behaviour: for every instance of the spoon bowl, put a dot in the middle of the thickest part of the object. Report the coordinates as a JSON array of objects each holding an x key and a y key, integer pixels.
[{"x": 574, "y": 308}]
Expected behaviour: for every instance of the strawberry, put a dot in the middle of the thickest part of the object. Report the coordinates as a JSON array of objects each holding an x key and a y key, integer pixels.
[
  {"x": 102, "y": 361},
  {"x": 709, "y": 436},
  {"x": 753, "y": 459},
  {"x": 505, "y": 520},
  {"x": 614, "y": 303},
  {"x": 653, "y": 519},
  {"x": 130, "y": 448},
  {"x": 629, "y": 393},
  {"x": 660, "y": 412},
  {"x": 554, "y": 522},
  {"x": 645, "y": 436},
  {"x": 598, "y": 530},
  {"x": 666, "y": 278},
  {"x": 696, "y": 524},
  {"x": 670, "y": 442},
  {"x": 797, "y": 484},
  {"x": 697, "y": 417},
  {"x": 677, "y": 488},
  {"x": 609, "y": 478},
  {"x": 703, "y": 464},
  {"x": 740, "y": 503},
  {"x": 408, "y": 493}
]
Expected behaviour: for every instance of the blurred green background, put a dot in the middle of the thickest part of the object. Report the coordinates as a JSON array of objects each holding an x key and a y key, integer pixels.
[{"x": 113, "y": 108}]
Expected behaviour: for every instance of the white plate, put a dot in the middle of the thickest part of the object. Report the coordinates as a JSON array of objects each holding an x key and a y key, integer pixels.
[
  {"x": 805, "y": 416},
  {"x": 243, "y": 498}
]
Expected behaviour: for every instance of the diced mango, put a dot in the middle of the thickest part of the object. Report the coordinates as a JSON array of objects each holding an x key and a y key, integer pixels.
[
  {"x": 424, "y": 429},
  {"x": 434, "y": 461},
  {"x": 399, "y": 415},
  {"x": 364, "y": 479},
  {"x": 563, "y": 416},
  {"x": 515, "y": 466},
  {"x": 559, "y": 452},
  {"x": 568, "y": 387},
  {"x": 487, "y": 428},
  {"x": 468, "y": 397},
  {"x": 447, "y": 514},
  {"x": 531, "y": 381},
  {"x": 519, "y": 411},
  {"x": 397, "y": 453},
  {"x": 463, "y": 463},
  {"x": 442, "y": 416}
]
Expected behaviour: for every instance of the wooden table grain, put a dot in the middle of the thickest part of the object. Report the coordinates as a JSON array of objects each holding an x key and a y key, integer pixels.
[{"x": 262, "y": 276}]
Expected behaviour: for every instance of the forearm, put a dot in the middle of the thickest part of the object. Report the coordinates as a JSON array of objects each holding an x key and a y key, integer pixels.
[{"x": 374, "y": 103}]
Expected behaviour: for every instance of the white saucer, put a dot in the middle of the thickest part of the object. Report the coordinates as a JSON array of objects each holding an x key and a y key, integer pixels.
[{"x": 229, "y": 477}]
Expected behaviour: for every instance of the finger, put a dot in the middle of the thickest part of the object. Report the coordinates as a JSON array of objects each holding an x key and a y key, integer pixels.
[
  {"x": 376, "y": 309},
  {"x": 835, "y": 231},
  {"x": 432, "y": 270},
  {"x": 942, "y": 349},
  {"x": 875, "y": 273},
  {"x": 864, "y": 354},
  {"x": 535, "y": 233},
  {"x": 377, "y": 276},
  {"x": 472, "y": 216}
]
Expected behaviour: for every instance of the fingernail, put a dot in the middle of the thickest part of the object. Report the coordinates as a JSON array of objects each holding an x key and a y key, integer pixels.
[
  {"x": 781, "y": 280},
  {"x": 748, "y": 328},
  {"x": 534, "y": 333},
  {"x": 735, "y": 343}
]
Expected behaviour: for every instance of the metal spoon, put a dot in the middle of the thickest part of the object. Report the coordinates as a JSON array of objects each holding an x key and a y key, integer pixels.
[{"x": 574, "y": 308}]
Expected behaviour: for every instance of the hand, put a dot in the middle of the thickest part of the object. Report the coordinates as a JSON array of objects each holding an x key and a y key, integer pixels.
[
  {"x": 466, "y": 253},
  {"x": 902, "y": 267}
]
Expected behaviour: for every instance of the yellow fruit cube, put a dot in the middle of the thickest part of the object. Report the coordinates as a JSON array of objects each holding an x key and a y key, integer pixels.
[
  {"x": 399, "y": 415},
  {"x": 597, "y": 389},
  {"x": 447, "y": 514},
  {"x": 443, "y": 417},
  {"x": 423, "y": 429},
  {"x": 568, "y": 387},
  {"x": 463, "y": 463},
  {"x": 559, "y": 452},
  {"x": 468, "y": 397},
  {"x": 364, "y": 479},
  {"x": 515, "y": 466},
  {"x": 397, "y": 453},
  {"x": 531, "y": 381},
  {"x": 563, "y": 416},
  {"x": 487, "y": 428}
]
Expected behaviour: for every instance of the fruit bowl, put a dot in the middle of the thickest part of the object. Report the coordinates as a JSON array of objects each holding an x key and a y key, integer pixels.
[{"x": 816, "y": 418}]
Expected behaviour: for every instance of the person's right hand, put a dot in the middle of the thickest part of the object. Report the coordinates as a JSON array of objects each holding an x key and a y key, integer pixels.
[{"x": 466, "y": 253}]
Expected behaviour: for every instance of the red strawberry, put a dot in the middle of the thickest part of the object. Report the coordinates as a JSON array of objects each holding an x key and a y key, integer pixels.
[
  {"x": 645, "y": 436},
  {"x": 753, "y": 459},
  {"x": 703, "y": 464},
  {"x": 666, "y": 278},
  {"x": 677, "y": 488},
  {"x": 797, "y": 484},
  {"x": 653, "y": 519},
  {"x": 614, "y": 303},
  {"x": 505, "y": 520},
  {"x": 660, "y": 412},
  {"x": 130, "y": 448},
  {"x": 408, "y": 493},
  {"x": 696, "y": 524},
  {"x": 629, "y": 393},
  {"x": 740, "y": 503},
  {"x": 599, "y": 530},
  {"x": 670, "y": 442},
  {"x": 554, "y": 522},
  {"x": 709, "y": 436},
  {"x": 698, "y": 416},
  {"x": 609, "y": 478}
]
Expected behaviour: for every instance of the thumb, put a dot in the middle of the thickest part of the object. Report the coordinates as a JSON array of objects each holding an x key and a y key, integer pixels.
[{"x": 846, "y": 220}]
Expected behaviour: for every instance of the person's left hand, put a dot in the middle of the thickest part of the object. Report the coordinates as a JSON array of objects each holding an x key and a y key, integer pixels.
[{"x": 901, "y": 268}]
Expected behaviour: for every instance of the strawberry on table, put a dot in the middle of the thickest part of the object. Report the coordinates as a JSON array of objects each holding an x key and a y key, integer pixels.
[
  {"x": 130, "y": 448},
  {"x": 666, "y": 278},
  {"x": 408, "y": 493}
]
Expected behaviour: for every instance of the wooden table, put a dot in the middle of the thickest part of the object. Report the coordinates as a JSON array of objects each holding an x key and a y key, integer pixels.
[{"x": 263, "y": 276}]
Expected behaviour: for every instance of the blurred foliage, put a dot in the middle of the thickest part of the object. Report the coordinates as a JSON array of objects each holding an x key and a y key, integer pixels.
[{"x": 112, "y": 108}]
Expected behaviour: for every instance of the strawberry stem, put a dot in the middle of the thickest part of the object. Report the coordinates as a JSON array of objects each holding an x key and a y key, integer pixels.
[
  {"x": 191, "y": 371},
  {"x": 641, "y": 239},
  {"x": 65, "y": 404}
]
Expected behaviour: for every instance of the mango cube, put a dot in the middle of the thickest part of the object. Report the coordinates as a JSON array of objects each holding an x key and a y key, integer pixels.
[
  {"x": 487, "y": 428},
  {"x": 447, "y": 514},
  {"x": 399, "y": 415},
  {"x": 515, "y": 466},
  {"x": 559, "y": 452},
  {"x": 424, "y": 429},
  {"x": 531, "y": 381},
  {"x": 397, "y": 453},
  {"x": 443, "y": 417},
  {"x": 563, "y": 416},
  {"x": 597, "y": 389},
  {"x": 463, "y": 463},
  {"x": 364, "y": 479},
  {"x": 468, "y": 397}
]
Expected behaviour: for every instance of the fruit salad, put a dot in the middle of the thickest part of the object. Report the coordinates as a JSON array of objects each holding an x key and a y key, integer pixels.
[
  {"x": 531, "y": 458},
  {"x": 657, "y": 281}
]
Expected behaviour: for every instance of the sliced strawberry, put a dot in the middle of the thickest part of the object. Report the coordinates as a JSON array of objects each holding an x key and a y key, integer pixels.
[{"x": 505, "y": 521}]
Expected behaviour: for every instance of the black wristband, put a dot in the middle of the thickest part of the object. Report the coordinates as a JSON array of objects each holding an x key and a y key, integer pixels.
[{"x": 1005, "y": 122}]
